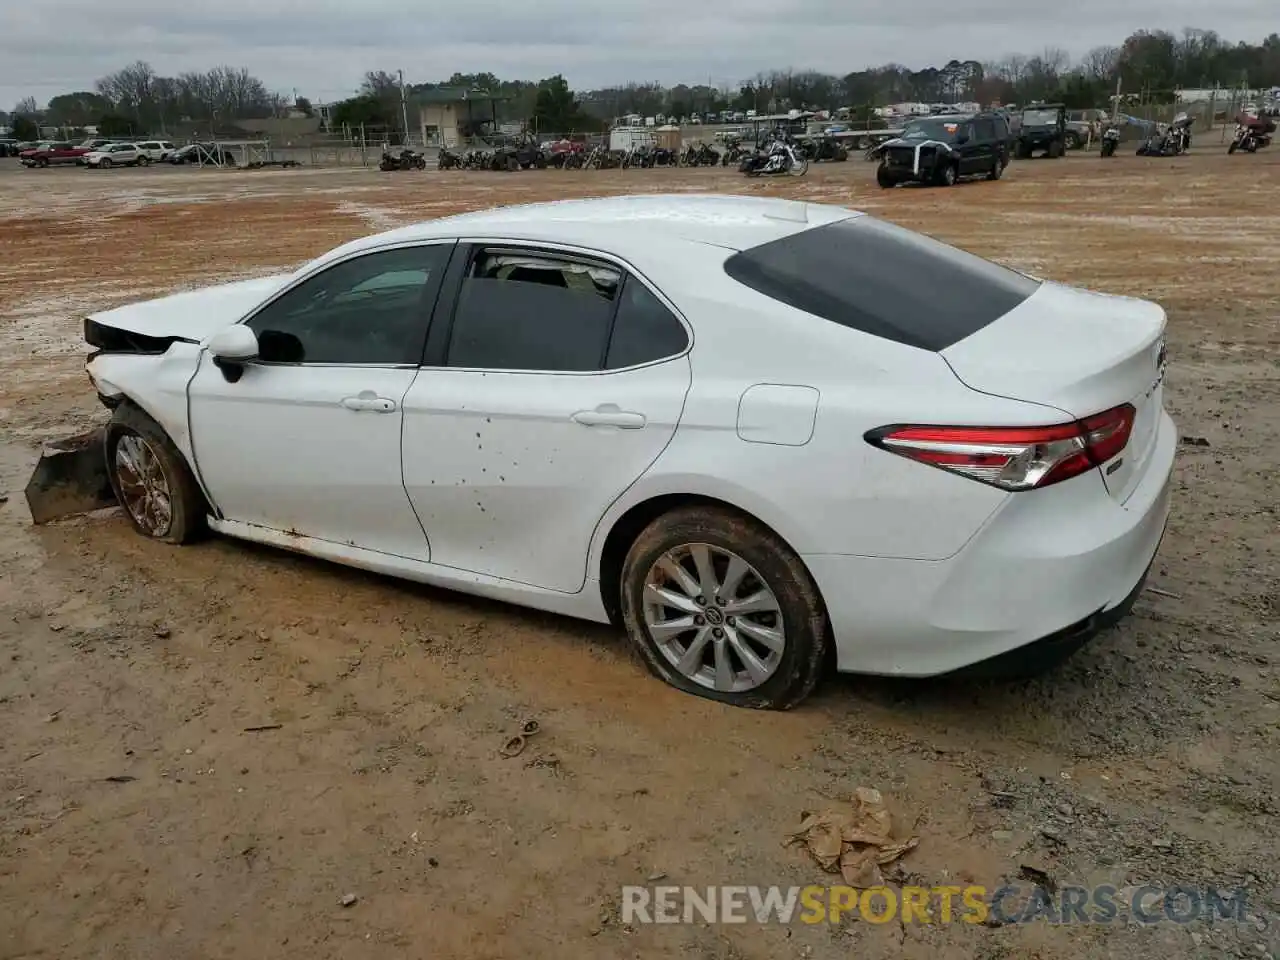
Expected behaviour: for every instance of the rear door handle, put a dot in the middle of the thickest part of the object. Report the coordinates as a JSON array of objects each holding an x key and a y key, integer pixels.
[
  {"x": 368, "y": 401},
  {"x": 609, "y": 415}
]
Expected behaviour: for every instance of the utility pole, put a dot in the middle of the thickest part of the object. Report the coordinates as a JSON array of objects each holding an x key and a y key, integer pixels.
[{"x": 404, "y": 108}]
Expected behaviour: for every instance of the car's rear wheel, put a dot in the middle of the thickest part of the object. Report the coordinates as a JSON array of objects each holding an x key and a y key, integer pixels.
[
  {"x": 151, "y": 479},
  {"x": 719, "y": 606},
  {"x": 997, "y": 169}
]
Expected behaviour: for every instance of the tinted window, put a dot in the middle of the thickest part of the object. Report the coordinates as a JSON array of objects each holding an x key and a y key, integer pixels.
[
  {"x": 644, "y": 330},
  {"x": 884, "y": 280},
  {"x": 524, "y": 311},
  {"x": 371, "y": 309},
  {"x": 985, "y": 129}
]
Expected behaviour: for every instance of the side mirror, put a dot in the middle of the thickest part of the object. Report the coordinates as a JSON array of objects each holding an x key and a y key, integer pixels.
[{"x": 235, "y": 344}]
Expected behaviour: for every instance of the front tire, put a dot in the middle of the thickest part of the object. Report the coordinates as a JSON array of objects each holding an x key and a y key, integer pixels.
[
  {"x": 883, "y": 178},
  {"x": 719, "y": 606},
  {"x": 948, "y": 175},
  {"x": 151, "y": 479}
]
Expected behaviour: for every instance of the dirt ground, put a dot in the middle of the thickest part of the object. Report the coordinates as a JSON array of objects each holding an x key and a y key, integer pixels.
[{"x": 1151, "y": 757}]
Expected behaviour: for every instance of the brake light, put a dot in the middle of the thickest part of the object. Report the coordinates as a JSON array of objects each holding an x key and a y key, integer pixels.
[{"x": 1014, "y": 458}]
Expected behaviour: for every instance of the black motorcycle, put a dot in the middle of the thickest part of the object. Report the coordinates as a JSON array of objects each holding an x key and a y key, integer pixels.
[
  {"x": 448, "y": 160},
  {"x": 1172, "y": 142},
  {"x": 777, "y": 157},
  {"x": 407, "y": 160},
  {"x": 1110, "y": 140}
]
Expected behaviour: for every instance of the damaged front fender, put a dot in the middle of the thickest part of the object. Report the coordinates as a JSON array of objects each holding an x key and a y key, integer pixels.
[{"x": 70, "y": 478}]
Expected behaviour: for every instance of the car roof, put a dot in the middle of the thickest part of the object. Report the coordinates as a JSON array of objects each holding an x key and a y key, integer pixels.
[{"x": 637, "y": 226}]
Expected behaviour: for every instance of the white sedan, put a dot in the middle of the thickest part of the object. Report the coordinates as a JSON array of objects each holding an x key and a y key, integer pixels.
[{"x": 753, "y": 432}]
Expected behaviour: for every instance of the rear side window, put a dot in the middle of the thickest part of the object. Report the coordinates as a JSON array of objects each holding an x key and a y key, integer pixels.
[
  {"x": 645, "y": 330},
  {"x": 884, "y": 280},
  {"x": 523, "y": 311}
]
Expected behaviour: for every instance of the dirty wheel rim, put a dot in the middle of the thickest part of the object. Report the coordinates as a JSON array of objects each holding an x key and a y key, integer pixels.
[
  {"x": 144, "y": 488},
  {"x": 713, "y": 617}
]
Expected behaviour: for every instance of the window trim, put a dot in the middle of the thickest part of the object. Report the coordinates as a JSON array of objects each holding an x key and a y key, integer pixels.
[
  {"x": 446, "y": 309},
  {"x": 298, "y": 281}
]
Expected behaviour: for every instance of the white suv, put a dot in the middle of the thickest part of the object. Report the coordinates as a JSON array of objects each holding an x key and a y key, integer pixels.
[
  {"x": 115, "y": 155},
  {"x": 154, "y": 151}
]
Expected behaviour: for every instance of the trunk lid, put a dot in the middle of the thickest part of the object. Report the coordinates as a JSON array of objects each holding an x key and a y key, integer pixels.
[{"x": 1081, "y": 353}]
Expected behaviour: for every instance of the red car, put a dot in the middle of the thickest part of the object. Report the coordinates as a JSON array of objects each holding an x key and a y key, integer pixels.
[{"x": 50, "y": 152}]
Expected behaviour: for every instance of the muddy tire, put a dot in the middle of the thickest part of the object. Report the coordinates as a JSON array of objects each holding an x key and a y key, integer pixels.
[
  {"x": 151, "y": 479},
  {"x": 719, "y": 606}
]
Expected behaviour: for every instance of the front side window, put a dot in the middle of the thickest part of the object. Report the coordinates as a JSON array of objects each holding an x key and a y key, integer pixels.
[
  {"x": 526, "y": 310},
  {"x": 371, "y": 309}
]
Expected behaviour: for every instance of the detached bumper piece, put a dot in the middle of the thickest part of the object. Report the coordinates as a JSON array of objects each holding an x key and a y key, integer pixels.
[{"x": 70, "y": 478}]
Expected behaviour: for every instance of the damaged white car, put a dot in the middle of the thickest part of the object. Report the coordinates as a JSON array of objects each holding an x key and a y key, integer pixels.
[{"x": 741, "y": 428}]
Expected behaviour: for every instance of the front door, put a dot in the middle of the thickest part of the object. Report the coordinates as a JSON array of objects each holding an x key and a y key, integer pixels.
[
  {"x": 559, "y": 381},
  {"x": 307, "y": 439}
]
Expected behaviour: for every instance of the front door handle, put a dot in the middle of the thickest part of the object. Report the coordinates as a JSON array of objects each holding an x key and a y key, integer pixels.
[
  {"x": 609, "y": 415},
  {"x": 368, "y": 401}
]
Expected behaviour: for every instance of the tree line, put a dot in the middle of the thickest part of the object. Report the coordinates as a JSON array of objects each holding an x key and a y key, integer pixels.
[
  {"x": 1149, "y": 63},
  {"x": 135, "y": 99}
]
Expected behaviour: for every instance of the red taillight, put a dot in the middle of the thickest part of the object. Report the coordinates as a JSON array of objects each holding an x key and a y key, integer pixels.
[{"x": 1014, "y": 458}]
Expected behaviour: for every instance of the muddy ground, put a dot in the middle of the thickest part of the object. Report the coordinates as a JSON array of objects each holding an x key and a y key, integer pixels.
[{"x": 1149, "y": 758}]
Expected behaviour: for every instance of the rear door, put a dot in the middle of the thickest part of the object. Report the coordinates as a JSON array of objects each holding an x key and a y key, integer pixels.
[{"x": 553, "y": 381}]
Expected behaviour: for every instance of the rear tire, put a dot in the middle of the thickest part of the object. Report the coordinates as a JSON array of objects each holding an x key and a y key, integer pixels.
[
  {"x": 883, "y": 178},
  {"x": 997, "y": 170},
  {"x": 151, "y": 479},
  {"x": 796, "y": 621}
]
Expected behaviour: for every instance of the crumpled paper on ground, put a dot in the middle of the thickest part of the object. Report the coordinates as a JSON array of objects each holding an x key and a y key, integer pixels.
[{"x": 855, "y": 842}]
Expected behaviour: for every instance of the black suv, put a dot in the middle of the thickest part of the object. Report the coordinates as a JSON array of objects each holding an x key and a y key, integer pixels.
[
  {"x": 945, "y": 149},
  {"x": 1044, "y": 127}
]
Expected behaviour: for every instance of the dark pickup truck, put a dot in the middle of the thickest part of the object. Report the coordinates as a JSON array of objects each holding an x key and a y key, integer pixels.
[{"x": 47, "y": 153}]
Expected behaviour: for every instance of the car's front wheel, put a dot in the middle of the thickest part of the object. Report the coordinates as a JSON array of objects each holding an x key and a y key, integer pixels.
[
  {"x": 721, "y": 607},
  {"x": 151, "y": 479}
]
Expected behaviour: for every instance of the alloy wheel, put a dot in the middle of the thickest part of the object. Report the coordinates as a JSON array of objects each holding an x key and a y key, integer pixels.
[
  {"x": 714, "y": 618},
  {"x": 144, "y": 488}
]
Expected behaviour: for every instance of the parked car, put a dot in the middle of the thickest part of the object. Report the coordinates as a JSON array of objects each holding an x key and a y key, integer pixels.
[
  {"x": 51, "y": 153},
  {"x": 116, "y": 155},
  {"x": 200, "y": 153},
  {"x": 8, "y": 148},
  {"x": 752, "y": 437},
  {"x": 156, "y": 151},
  {"x": 945, "y": 150}
]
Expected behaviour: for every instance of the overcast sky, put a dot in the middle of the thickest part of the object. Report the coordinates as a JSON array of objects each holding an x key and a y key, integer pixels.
[{"x": 323, "y": 47}]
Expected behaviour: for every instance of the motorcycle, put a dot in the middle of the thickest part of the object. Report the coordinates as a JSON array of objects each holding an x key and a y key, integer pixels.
[
  {"x": 1252, "y": 133},
  {"x": 778, "y": 157},
  {"x": 408, "y": 160},
  {"x": 1173, "y": 141},
  {"x": 448, "y": 160},
  {"x": 1110, "y": 140}
]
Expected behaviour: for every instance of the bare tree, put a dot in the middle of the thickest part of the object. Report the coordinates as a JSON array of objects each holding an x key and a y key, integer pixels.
[
  {"x": 1101, "y": 63},
  {"x": 26, "y": 107}
]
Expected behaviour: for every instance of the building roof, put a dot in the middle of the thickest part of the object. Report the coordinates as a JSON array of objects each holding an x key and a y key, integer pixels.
[{"x": 454, "y": 95}]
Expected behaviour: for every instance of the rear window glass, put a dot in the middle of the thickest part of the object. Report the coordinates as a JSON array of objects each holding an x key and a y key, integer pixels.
[{"x": 884, "y": 280}]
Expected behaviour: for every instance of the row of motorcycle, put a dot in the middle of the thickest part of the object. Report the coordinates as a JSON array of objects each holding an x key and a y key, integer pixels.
[
  {"x": 1251, "y": 134},
  {"x": 776, "y": 154}
]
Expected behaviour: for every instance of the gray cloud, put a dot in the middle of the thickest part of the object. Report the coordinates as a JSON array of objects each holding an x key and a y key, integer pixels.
[{"x": 323, "y": 47}]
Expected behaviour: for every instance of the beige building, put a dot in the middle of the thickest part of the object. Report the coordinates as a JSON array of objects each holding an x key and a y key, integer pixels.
[{"x": 448, "y": 115}]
